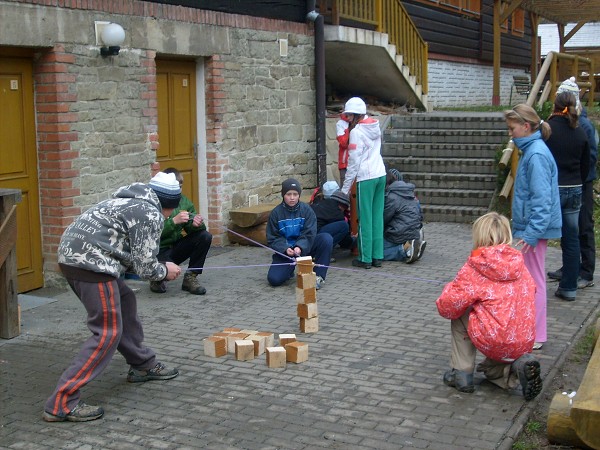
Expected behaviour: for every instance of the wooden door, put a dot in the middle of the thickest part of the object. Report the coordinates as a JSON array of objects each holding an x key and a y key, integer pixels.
[
  {"x": 18, "y": 165},
  {"x": 177, "y": 134}
]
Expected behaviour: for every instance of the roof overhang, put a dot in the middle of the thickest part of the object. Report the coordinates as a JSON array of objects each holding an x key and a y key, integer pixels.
[{"x": 564, "y": 11}]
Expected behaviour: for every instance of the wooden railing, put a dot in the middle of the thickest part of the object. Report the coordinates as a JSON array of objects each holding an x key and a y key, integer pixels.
[{"x": 385, "y": 16}]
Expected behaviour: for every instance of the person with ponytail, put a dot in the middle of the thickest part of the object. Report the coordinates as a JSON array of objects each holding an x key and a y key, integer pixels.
[
  {"x": 571, "y": 151},
  {"x": 536, "y": 202}
]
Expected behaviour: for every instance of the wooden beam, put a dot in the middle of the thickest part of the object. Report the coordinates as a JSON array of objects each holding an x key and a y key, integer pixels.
[
  {"x": 508, "y": 9},
  {"x": 534, "y": 20},
  {"x": 497, "y": 50},
  {"x": 575, "y": 29}
]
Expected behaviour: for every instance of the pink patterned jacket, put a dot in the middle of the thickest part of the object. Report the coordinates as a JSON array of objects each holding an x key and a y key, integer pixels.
[{"x": 497, "y": 289}]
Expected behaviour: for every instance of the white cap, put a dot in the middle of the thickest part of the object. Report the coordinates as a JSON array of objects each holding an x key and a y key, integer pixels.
[{"x": 355, "y": 106}]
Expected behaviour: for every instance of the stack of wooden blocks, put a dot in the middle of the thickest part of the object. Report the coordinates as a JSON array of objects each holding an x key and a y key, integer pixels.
[
  {"x": 248, "y": 344},
  {"x": 306, "y": 295}
]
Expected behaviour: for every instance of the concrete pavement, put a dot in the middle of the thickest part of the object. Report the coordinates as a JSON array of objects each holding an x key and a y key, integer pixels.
[{"x": 373, "y": 379}]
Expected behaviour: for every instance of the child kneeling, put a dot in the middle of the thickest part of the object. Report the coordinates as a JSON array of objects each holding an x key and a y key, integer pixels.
[{"x": 491, "y": 306}]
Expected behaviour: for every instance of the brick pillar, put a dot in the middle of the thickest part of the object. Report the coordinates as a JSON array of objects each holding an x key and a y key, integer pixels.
[
  {"x": 215, "y": 164},
  {"x": 150, "y": 96},
  {"x": 59, "y": 180}
]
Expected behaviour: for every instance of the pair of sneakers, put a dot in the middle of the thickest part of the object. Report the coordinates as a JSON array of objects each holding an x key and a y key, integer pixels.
[
  {"x": 85, "y": 413},
  {"x": 582, "y": 283}
]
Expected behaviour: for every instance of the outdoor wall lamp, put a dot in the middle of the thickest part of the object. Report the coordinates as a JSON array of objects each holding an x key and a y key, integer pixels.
[{"x": 110, "y": 36}]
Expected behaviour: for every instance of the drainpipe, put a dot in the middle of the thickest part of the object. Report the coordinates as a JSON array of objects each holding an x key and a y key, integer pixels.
[{"x": 319, "y": 24}]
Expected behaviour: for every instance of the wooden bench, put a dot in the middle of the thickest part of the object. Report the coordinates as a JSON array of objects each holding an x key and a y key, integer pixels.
[
  {"x": 575, "y": 419},
  {"x": 521, "y": 84}
]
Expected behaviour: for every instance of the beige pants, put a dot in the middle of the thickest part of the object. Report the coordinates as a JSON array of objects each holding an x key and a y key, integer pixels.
[{"x": 463, "y": 357}]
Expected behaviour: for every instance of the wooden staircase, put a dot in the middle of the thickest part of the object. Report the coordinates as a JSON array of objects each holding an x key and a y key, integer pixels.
[{"x": 451, "y": 159}]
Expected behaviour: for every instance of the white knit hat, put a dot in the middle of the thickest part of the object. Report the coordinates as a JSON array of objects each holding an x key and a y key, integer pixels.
[
  {"x": 570, "y": 85},
  {"x": 167, "y": 189}
]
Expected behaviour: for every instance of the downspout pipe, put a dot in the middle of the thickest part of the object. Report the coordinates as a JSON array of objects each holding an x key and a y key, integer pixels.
[{"x": 319, "y": 23}]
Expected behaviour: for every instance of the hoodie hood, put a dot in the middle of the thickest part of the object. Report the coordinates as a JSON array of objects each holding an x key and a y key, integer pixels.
[
  {"x": 140, "y": 191},
  {"x": 498, "y": 263},
  {"x": 370, "y": 128},
  {"x": 402, "y": 188}
]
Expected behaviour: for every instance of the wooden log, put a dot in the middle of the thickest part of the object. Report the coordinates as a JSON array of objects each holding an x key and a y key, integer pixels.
[
  {"x": 257, "y": 233},
  {"x": 251, "y": 216},
  {"x": 561, "y": 429},
  {"x": 585, "y": 412}
]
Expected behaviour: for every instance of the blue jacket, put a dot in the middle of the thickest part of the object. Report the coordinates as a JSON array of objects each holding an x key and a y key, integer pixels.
[
  {"x": 590, "y": 131},
  {"x": 292, "y": 227},
  {"x": 536, "y": 202}
]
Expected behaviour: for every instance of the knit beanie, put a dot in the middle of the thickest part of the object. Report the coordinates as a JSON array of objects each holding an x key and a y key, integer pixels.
[
  {"x": 290, "y": 185},
  {"x": 340, "y": 197},
  {"x": 167, "y": 189},
  {"x": 329, "y": 188},
  {"x": 396, "y": 174},
  {"x": 570, "y": 85}
]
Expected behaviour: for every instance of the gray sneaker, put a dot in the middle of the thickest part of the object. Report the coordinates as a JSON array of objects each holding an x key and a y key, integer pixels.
[
  {"x": 582, "y": 284},
  {"x": 320, "y": 282},
  {"x": 416, "y": 246},
  {"x": 81, "y": 413},
  {"x": 159, "y": 372}
]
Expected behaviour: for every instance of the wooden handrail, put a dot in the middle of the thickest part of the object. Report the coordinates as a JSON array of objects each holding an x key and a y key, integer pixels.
[{"x": 390, "y": 17}]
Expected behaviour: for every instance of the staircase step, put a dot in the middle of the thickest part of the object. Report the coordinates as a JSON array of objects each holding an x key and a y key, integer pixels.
[
  {"x": 479, "y": 166},
  {"x": 456, "y": 136},
  {"x": 450, "y": 181},
  {"x": 450, "y": 121},
  {"x": 438, "y": 150},
  {"x": 454, "y": 197},
  {"x": 459, "y": 214}
]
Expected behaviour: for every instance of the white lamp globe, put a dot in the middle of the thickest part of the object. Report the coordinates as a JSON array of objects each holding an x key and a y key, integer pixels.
[{"x": 113, "y": 35}]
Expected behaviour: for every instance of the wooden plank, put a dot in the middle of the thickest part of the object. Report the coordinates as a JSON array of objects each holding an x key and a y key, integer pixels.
[{"x": 9, "y": 303}]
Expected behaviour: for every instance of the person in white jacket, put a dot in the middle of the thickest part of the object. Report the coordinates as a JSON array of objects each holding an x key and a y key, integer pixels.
[{"x": 365, "y": 165}]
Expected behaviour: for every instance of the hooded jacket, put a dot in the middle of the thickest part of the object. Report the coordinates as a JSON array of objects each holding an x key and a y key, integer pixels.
[
  {"x": 402, "y": 217},
  {"x": 364, "y": 160},
  {"x": 536, "y": 201},
  {"x": 592, "y": 136},
  {"x": 117, "y": 234},
  {"x": 498, "y": 291},
  {"x": 290, "y": 227},
  {"x": 173, "y": 232}
]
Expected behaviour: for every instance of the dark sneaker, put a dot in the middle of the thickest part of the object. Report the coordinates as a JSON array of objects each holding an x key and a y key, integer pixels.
[
  {"x": 159, "y": 372},
  {"x": 556, "y": 275},
  {"x": 416, "y": 245},
  {"x": 160, "y": 287},
  {"x": 528, "y": 370},
  {"x": 192, "y": 285},
  {"x": 81, "y": 413},
  {"x": 319, "y": 283},
  {"x": 461, "y": 381},
  {"x": 564, "y": 295},
  {"x": 359, "y": 263},
  {"x": 582, "y": 284},
  {"x": 422, "y": 249},
  {"x": 376, "y": 262}
]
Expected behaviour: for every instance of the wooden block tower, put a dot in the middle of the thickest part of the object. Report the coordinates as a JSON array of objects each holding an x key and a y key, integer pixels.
[{"x": 306, "y": 295}]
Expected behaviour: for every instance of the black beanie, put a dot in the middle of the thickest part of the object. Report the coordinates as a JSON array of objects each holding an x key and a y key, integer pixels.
[{"x": 290, "y": 185}]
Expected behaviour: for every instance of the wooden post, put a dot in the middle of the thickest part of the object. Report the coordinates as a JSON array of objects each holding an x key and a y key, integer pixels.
[{"x": 9, "y": 303}]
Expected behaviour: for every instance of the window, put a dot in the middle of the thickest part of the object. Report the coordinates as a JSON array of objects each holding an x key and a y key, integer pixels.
[
  {"x": 518, "y": 22},
  {"x": 467, "y": 7}
]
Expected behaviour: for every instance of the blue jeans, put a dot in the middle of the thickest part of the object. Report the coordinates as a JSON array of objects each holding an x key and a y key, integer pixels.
[
  {"x": 338, "y": 231},
  {"x": 393, "y": 252},
  {"x": 570, "y": 204}
]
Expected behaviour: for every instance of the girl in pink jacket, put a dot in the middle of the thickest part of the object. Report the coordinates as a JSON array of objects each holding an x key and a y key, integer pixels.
[{"x": 491, "y": 306}]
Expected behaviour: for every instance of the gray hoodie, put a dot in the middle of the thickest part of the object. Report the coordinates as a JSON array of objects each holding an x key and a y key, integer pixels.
[{"x": 117, "y": 234}]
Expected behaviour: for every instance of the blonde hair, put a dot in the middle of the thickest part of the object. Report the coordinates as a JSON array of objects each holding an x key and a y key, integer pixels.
[
  {"x": 491, "y": 229},
  {"x": 523, "y": 113}
]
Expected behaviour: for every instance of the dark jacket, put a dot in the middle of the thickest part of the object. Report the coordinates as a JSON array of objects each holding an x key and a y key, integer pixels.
[
  {"x": 571, "y": 151},
  {"x": 291, "y": 227},
  {"x": 117, "y": 234},
  {"x": 327, "y": 211},
  {"x": 172, "y": 232},
  {"x": 592, "y": 135},
  {"x": 402, "y": 218}
]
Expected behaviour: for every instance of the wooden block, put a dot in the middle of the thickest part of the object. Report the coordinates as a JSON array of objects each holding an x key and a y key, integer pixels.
[
  {"x": 309, "y": 325},
  {"x": 306, "y": 280},
  {"x": 307, "y": 310},
  {"x": 231, "y": 330},
  {"x": 306, "y": 295},
  {"x": 305, "y": 264},
  {"x": 296, "y": 352},
  {"x": 286, "y": 339},
  {"x": 259, "y": 343},
  {"x": 269, "y": 338},
  {"x": 215, "y": 346},
  {"x": 244, "y": 350},
  {"x": 248, "y": 332},
  {"x": 220, "y": 334},
  {"x": 276, "y": 357},
  {"x": 231, "y": 341}
]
